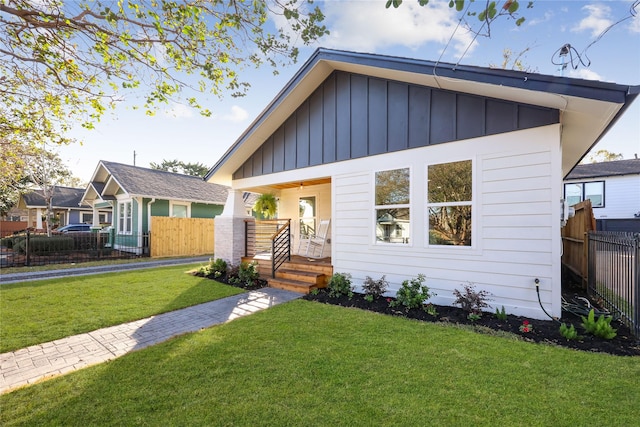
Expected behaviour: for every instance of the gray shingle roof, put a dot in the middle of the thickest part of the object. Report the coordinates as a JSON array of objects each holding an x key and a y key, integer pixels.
[
  {"x": 63, "y": 197},
  {"x": 146, "y": 182},
  {"x": 614, "y": 168}
]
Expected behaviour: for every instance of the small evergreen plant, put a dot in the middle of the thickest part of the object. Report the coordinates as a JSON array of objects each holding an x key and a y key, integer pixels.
[
  {"x": 569, "y": 332},
  {"x": 600, "y": 328},
  {"x": 501, "y": 314}
]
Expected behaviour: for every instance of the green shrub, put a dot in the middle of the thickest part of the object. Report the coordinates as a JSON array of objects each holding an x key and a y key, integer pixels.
[
  {"x": 569, "y": 332},
  {"x": 374, "y": 288},
  {"x": 501, "y": 314},
  {"x": 412, "y": 293},
  {"x": 216, "y": 269},
  {"x": 15, "y": 242},
  {"x": 7, "y": 242},
  {"x": 340, "y": 284},
  {"x": 470, "y": 300},
  {"x": 600, "y": 328},
  {"x": 41, "y": 245},
  {"x": 245, "y": 275}
]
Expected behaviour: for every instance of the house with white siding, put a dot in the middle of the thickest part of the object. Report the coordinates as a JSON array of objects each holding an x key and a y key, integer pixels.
[
  {"x": 614, "y": 191},
  {"x": 450, "y": 171}
]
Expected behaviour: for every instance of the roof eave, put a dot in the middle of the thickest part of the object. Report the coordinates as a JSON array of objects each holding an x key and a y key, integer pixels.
[{"x": 560, "y": 93}]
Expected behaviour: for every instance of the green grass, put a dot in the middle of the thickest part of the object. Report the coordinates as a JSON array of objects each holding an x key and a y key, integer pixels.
[
  {"x": 309, "y": 364},
  {"x": 45, "y": 310},
  {"x": 48, "y": 267}
]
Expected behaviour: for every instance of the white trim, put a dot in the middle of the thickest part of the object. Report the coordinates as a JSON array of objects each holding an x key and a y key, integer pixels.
[
  {"x": 410, "y": 206},
  {"x": 173, "y": 203},
  {"x": 472, "y": 203},
  {"x": 128, "y": 213}
]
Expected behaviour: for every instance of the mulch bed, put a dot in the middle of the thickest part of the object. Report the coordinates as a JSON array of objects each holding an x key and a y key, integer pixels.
[{"x": 543, "y": 331}]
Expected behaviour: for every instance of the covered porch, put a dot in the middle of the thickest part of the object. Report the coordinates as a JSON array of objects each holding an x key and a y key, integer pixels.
[{"x": 293, "y": 251}]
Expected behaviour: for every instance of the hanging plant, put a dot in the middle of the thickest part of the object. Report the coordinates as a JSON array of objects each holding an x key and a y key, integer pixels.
[{"x": 266, "y": 205}]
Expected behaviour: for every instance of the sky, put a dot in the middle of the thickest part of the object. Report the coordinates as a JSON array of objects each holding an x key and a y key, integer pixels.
[{"x": 609, "y": 53}]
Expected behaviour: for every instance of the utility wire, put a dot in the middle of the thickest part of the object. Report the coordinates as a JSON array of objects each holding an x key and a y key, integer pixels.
[{"x": 582, "y": 57}]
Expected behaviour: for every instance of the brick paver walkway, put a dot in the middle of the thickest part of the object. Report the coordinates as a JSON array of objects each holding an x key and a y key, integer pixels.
[{"x": 38, "y": 362}]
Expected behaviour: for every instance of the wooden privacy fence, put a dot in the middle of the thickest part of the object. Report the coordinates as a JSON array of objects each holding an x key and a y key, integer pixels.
[
  {"x": 574, "y": 240},
  {"x": 181, "y": 236}
]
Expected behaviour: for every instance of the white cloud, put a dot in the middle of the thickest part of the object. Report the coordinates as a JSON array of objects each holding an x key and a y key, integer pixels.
[
  {"x": 583, "y": 73},
  {"x": 237, "y": 115},
  {"x": 546, "y": 17},
  {"x": 369, "y": 26},
  {"x": 597, "y": 19},
  {"x": 634, "y": 26},
  {"x": 178, "y": 111}
]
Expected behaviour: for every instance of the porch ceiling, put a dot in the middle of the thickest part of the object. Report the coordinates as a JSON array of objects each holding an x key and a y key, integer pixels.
[{"x": 305, "y": 183}]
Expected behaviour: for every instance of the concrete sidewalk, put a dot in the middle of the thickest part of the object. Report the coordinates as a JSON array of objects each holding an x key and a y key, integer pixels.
[
  {"x": 84, "y": 271},
  {"x": 43, "y": 361}
]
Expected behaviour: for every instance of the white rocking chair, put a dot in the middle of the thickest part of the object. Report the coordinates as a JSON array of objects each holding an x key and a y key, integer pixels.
[{"x": 312, "y": 246}]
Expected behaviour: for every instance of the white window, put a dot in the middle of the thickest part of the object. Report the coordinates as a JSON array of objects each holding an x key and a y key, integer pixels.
[
  {"x": 125, "y": 216},
  {"x": 577, "y": 192},
  {"x": 449, "y": 203},
  {"x": 392, "y": 206},
  {"x": 180, "y": 210},
  {"x": 87, "y": 218}
]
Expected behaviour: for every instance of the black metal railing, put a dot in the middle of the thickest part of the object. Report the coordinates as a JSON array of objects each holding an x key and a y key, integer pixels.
[
  {"x": 268, "y": 239},
  {"x": 280, "y": 247},
  {"x": 614, "y": 274},
  {"x": 29, "y": 249}
]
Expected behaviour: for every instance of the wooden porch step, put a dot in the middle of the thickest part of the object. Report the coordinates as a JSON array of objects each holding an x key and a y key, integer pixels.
[
  {"x": 309, "y": 266},
  {"x": 292, "y": 285},
  {"x": 310, "y": 277}
]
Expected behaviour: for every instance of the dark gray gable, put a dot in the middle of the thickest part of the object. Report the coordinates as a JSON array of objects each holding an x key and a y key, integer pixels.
[
  {"x": 352, "y": 116},
  {"x": 63, "y": 197},
  {"x": 162, "y": 184}
]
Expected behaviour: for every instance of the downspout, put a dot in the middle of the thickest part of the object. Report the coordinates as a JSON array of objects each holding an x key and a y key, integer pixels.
[{"x": 149, "y": 203}]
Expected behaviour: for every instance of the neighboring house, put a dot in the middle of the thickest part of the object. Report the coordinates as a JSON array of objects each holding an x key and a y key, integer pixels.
[
  {"x": 614, "y": 191},
  {"x": 136, "y": 194},
  {"x": 470, "y": 159},
  {"x": 67, "y": 208}
]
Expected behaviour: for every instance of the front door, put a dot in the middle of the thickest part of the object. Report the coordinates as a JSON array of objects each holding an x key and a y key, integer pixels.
[{"x": 307, "y": 216}]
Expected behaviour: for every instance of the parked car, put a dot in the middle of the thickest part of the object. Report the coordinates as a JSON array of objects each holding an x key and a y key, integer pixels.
[{"x": 75, "y": 228}]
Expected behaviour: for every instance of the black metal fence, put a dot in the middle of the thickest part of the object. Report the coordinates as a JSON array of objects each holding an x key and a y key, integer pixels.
[
  {"x": 29, "y": 249},
  {"x": 614, "y": 274}
]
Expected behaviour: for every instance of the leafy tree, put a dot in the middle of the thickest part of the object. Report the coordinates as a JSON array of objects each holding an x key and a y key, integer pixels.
[
  {"x": 509, "y": 57},
  {"x": 602, "y": 156},
  {"x": 176, "y": 166},
  {"x": 46, "y": 170},
  {"x": 65, "y": 62},
  {"x": 484, "y": 11}
]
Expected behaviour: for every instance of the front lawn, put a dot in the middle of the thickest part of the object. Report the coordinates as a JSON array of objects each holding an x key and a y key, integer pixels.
[
  {"x": 45, "y": 310},
  {"x": 309, "y": 364}
]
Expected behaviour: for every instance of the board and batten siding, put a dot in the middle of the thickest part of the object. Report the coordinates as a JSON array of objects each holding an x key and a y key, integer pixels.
[
  {"x": 351, "y": 116},
  {"x": 517, "y": 192}
]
